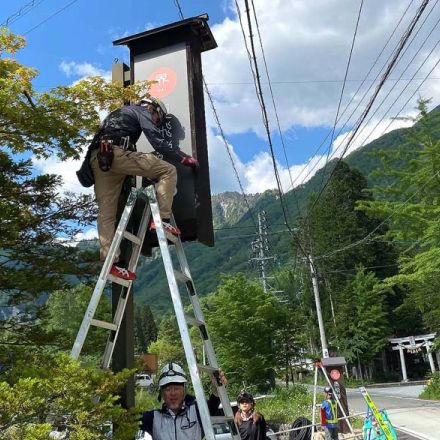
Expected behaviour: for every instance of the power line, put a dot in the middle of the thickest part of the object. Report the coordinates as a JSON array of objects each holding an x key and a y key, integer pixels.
[
  {"x": 392, "y": 88},
  {"x": 21, "y": 12},
  {"x": 222, "y": 135},
  {"x": 272, "y": 96},
  {"x": 343, "y": 84},
  {"x": 265, "y": 118},
  {"x": 358, "y": 89},
  {"x": 394, "y": 211},
  {"x": 50, "y": 16},
  {"x": 364, "y": 114}
]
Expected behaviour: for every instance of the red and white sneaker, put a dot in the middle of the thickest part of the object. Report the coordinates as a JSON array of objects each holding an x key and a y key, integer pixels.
[
  {"x": 174, "y": 230},
  {"x": 121, "y": 272}
]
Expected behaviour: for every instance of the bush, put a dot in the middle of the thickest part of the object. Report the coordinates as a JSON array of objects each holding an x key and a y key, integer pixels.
[
  {"x": 432, "y": 389},
  {"x": 287, "y": 404}
]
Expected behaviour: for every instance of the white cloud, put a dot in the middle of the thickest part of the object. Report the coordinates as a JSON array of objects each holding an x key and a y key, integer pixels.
[
  {"x": 308, "y": 41},
  {"x": 66, "y": 169},
  {"x": 82, "y": 70}
]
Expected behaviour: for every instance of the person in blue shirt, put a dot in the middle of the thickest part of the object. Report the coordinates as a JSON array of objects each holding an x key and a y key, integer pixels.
[{"x": 329, "y": 415}]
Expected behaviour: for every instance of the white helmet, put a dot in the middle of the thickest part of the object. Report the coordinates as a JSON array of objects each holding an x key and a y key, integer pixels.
[
  {"x": 158, "y": 106},
  {"x": 172, "y": 373}
]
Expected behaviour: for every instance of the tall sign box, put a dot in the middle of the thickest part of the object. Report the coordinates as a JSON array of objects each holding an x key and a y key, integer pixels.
[
  {"x": 171, "y": 57},
  {"x": 334, "y": 367}
]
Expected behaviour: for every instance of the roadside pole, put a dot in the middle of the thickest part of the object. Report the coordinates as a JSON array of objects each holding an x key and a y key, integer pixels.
[{"x": 318, "y": 308}]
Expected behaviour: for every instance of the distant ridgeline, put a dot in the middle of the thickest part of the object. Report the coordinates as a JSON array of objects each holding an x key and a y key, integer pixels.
[{"x": 235, "y": 228}]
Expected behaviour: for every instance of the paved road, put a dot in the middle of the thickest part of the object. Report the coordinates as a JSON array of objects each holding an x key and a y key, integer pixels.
[{"x": 414, "y": 416}]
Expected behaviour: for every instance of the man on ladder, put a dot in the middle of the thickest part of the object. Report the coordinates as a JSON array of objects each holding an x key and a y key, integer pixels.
[{"x": 112, "y": 157}]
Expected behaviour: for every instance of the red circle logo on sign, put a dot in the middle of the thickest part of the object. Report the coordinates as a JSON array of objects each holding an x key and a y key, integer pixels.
[
  {"x": 165, "y": 82},
  {"x": 335, "y": 374}
]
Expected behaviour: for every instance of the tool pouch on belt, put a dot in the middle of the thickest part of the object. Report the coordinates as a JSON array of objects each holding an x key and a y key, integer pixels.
[{"x": 105, "y": 155}]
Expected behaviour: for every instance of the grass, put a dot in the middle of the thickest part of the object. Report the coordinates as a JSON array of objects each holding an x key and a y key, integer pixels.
[{"x": 432, "y": 389}]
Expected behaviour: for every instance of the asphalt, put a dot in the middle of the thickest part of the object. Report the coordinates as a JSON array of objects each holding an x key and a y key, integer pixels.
[{"x": 412, "y": 417}]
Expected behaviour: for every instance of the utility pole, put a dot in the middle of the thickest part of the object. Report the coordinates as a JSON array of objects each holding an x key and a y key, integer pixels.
[
  {"x": 318, "y": 308},
  {"x": 260, "y": 247}
]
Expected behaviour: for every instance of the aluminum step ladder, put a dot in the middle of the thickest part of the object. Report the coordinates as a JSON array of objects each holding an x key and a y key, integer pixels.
[{"x": 183, "y": 275}]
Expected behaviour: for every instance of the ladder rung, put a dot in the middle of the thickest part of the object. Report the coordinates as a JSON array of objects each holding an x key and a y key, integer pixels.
[
  {"x": 207, "y": 368},
  {"x": 104, "y": 324},
  {"x": 171, "y": 237},
  {"x": 221, "y": 419},
  {"x": 193, "y": 321},
  {"x": 180, "y": 276},
  {"x": 134, "y": 238},
  {"x": 120, "y": 281}
]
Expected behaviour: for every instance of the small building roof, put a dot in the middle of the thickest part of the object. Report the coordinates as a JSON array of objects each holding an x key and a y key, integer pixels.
[{"x": 174, "y": 32}]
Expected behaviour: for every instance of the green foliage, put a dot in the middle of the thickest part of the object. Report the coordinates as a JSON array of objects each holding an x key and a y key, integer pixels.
[
  {"x": 145, "y": 330},
  {"x": 242, "y": 321},
  {"x": 432, "y": 389},
  {"x": 42, "y": 393},
  {"x": 287, "y": 404},
  {"x": 364, "y": 335},
  {"x": 411, "y": 206},
  {"x": 168, "y": 345},
  {"x": 63, "y": 313}
]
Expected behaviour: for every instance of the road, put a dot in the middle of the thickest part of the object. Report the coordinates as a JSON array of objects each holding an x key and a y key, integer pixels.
[{"x": 414, "y": 416}]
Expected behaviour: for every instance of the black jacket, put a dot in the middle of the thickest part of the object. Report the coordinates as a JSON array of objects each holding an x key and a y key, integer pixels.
[
  {"x": 132, "y": 121},
  {"x": 253, "y": 431}
]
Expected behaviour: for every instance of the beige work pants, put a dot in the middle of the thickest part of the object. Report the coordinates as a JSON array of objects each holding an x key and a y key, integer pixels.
[{"x": 108, "y": 187}]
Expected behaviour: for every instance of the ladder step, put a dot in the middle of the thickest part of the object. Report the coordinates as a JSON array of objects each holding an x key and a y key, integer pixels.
[
  {"x": 134, "y": 238},
  {"x": 207, "y": 368},
  {"x": 120, "y": 281},
  {"x": 221, "y": 419},
  {"x": 171, "y": 237},
  {"x": 180, "y": 276},
  {"x": 193, "y": 321},
  {"x": 104, "y": 324}
]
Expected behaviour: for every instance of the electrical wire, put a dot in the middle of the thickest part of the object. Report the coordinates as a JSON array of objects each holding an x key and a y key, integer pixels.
[
  {"x": 343, "y": 85},
  {"x": 364, "y": 114},
  {"x": 50, "y": 16},
  {"x": 20, "y": 13},
  {"x": 222, "y": 135},
  {"x": 393, "y": 87},
  {"x": 356, "y": 93},
  {"x": 272, "y": 96}
]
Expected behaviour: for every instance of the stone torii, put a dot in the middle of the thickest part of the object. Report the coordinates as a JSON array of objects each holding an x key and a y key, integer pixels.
[{"x": 414, "y": 344}]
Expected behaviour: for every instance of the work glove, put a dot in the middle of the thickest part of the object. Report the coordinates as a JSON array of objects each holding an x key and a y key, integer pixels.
[{"x": 190, "y": 161}]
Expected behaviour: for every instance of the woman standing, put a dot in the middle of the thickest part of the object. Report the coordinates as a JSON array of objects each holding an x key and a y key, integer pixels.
[{"x": 251, "y": 424}]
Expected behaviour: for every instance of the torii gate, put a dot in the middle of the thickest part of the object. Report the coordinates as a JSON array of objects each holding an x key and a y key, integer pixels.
[{"x": 414, "y": 344}]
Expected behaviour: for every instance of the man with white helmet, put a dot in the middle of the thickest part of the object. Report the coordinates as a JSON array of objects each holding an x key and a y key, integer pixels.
[{"x": 178, "y": 418}]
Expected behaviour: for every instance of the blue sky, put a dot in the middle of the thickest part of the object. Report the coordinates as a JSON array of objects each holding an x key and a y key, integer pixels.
[{"x": 306, "y": 45}]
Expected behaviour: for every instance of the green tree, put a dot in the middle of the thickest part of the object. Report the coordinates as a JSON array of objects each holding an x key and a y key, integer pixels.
[
  {"x": 334, "y": 233},
  {"x": 57, "y": 392},
  {"x": 145, "y": 330},
  {"x": 363, "y": 337},
  {"x": 168, "y": 345},
  {"x": 35, "y": 217},
  {"x": 410, "y": 205},
  {"x": 63, "y": 313},
  {"x": 242, "y": 320}
]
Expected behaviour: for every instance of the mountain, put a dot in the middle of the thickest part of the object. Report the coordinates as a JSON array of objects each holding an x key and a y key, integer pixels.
[{"x": 236, "y": 226}]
